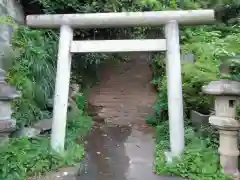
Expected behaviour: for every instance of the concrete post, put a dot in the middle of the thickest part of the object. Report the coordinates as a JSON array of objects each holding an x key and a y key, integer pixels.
[
  {"x": 174, "y": 86},
  {"x": 62, "y": 89}
]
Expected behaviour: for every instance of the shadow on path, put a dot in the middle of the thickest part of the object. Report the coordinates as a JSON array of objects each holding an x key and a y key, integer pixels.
[{"x": 119, "y": 153}]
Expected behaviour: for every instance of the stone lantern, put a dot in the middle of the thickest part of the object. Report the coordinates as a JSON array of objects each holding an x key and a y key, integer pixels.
[
  {"x": 7, "y": 93},
  {"x": 226, "y": 94}
]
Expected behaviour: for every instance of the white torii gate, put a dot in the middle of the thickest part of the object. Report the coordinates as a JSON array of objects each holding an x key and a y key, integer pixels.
[{"x": 67, "y": 46}]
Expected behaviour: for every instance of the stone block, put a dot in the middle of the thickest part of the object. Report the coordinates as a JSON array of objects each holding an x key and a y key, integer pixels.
[
  {"x": 4, "y": 138},
  {"x": 228, "y": 123},
  {"x": 44, "y": 125},
  {"x": 12, "y": 8},
  {"x": 2, "y": 76},
  {"x": 6, "y": 31},
  {"x": 3, "y": 10},
  {"x": 5, "y": 110},
  {"x": 228, "y": 150},
  {"x": 8, "y": 92},
  {"x": 7, "y": 126},
  {"x": 187, "y": 58},
  {"x": 222, "y": 87},
  {"x": 2, "y": 73},
  {"x": 199, "y": 119},
  {"x": 6, "y": 53},
  {"x": 67, "y": 173},
  {"x": 27, "y": 132}
]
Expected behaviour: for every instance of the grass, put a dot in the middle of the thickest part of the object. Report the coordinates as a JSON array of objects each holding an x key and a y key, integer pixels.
[
  {"x": 31, "y": 70},
  {"x": 23, "y": 157},
  {"x": 200, "y": 160}
]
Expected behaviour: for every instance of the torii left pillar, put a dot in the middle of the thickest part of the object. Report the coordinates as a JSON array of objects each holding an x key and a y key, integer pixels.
[{"x": 62, "y": 88}]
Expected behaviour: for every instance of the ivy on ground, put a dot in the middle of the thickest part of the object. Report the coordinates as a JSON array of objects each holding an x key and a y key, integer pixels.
[
  {"x": 34, "y": 69},
  {"x": 208, "y": 44},
  {"x": 23, "y": 157},
  {"x": 200, "y": 160}
]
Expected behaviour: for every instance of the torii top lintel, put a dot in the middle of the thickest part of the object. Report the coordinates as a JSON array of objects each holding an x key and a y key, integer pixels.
[{"x": 122, "y": 19}]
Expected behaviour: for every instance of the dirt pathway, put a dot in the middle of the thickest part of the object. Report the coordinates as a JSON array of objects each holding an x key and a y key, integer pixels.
[
  {"x": 122, "y": 147},
  {"x": 125, "y": 94}
]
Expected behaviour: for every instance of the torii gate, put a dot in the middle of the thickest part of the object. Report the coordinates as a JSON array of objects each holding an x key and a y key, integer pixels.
[{"x": 67, "y": 46}]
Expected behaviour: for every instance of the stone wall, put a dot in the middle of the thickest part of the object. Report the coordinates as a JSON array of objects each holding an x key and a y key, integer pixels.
[{"x": 13, "y": 9}]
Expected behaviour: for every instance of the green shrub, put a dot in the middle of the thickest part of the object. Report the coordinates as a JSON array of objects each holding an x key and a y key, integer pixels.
[
  {"x": 206, "y": 68},
  {"x": 200, "y": 160},
  {"x": 208, "y": 54},
  {"x": 24, "y": 157},
  {"x": 34, "y": 68},
  {"x": 32, "y": 72}
]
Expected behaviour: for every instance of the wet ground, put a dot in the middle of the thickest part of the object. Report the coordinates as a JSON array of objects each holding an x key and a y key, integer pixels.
[
  {"x": 120, "y": 153},
  {"x": 115, "y": 152}
]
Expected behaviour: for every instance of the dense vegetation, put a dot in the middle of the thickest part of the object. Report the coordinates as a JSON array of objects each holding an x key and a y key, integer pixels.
[
  {"x": 23, "y": 157},
  {"x": 209, "y": 44},
  {"x": 33, "y": 73}
]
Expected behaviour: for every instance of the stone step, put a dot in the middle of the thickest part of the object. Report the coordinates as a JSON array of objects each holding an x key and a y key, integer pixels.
[
  {"x": 127, "y": 109},
  {"x": 40, "y": 127},
  {"x": 120, "y": 97},
  {"x": 44, "y": 125},
  {"x": 26, "y": 132},
  {"x": 121, "y": 114},
  {"x": 120, "y": 91},
  {"x": 123, "y": 86},
  {"x": 123, "y": 106}
]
